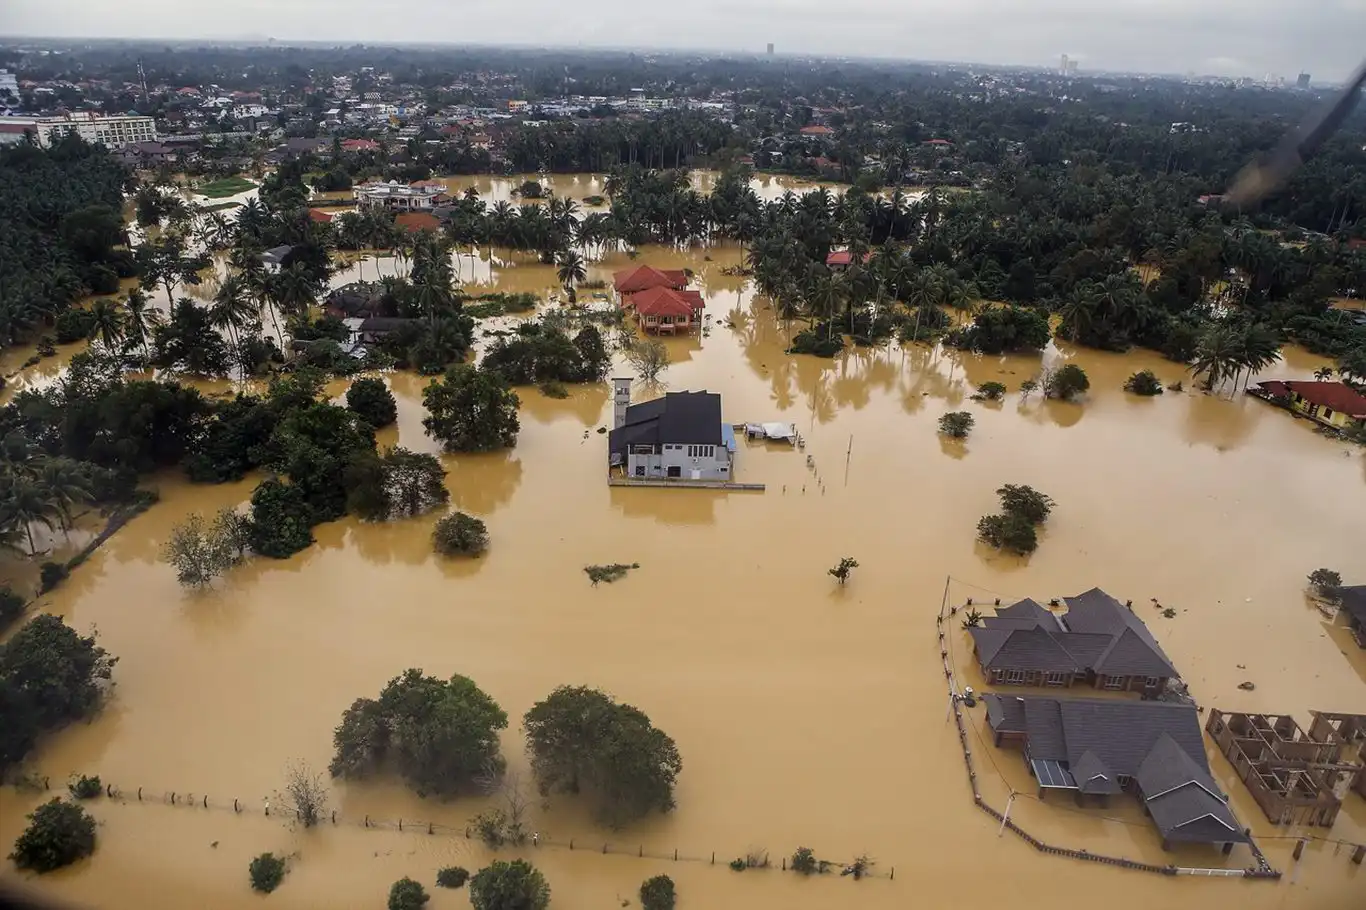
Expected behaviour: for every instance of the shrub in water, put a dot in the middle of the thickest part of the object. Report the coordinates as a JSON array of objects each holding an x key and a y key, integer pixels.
[
  {"x": 85, "y": 787},
  {"x": 658, "y": 893},
  {"x": 459, "y": 534},
  {"x": 58, "y": 834},
  {"x": 267, "y": 871},
  {"x": 1144, "y": 382},
  {"x": 407, "y": 894},
  {"x": 452, "y": 877}
]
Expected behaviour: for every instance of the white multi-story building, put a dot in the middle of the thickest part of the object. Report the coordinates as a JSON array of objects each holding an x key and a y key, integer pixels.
[
  {"x": 399, "y": 197},
  {"x": 112, "y": 132},
  {"x": 9, "y": 88}
]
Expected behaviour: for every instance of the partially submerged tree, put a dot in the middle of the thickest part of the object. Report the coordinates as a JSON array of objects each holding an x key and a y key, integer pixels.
[
  {"x": 843, "y": 568},
  {"x": 266, "y": 871},
  {"x": 406, "y": 894},
  {"x": 452, "y": 877},
  {"x": 372, "y": 402},
  {"x": 1144, "y": 382},
  {"x": 1066, "y": 382},
  {"x": 58, "y": 834},
  {"x": 1025, "y": 501},
  {"x": 395, "y": 484},
  {"x": 1027, "y": 388},
  {"x": 471, "y": 410},
  {"x": 305, "y": 794},
  {"x": 201, "y": 551},
  {"x": 458, "y": 534},
  {"x": 514, "y": 885},
  {"x": 650, "y": 357},
  {"x": 658, "y": 893},
  {"x": 582, "y": 741},
  {"x": 1008, "y": 532},
  {"x": 441, "y": 736},
  {"x": 991, "y": 391},
  {"x": 281, "y": 520},
  {"x": 1326, "y": 584},
  {"x": 956, "y": 424}
]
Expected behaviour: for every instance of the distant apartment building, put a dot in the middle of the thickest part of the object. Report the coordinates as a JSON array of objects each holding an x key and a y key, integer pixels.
[
  {"x": 9, "y": 88},
  {"x": 1302, "y": 82},
  {"x": 112, "y": 132}
]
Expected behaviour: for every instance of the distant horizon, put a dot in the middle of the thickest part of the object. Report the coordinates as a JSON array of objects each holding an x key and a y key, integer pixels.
[
  {"x": 267, "y": 42},
  {"x": 1224, "y": 38}
]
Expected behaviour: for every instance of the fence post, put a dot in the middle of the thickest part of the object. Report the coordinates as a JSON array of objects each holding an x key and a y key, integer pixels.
[
  {"x": 367, "y": 821},
  {"x": 109, "y": 790},
  {"x": 604, "y": 849},
  {"x": 713, "y": 857},
  {"x": 1299, "y": 848},
  {"x": 235, "y": 807},
  {"x": 206, "y": 801},
  {"x": 892, "y": 877},
  {"x": 642, "y": 851},
  {"x": 334, "y": 816},
  {"x": 784, "y": 863},
  {"x": 571, "y": 843},
  {"x": 429, "y": 827},
  {"x": 139, "y": 794},
  {"x": 173, "y": 797},
  {"x": 400, "y": 824},
  {"x": 675, "y": 854}
]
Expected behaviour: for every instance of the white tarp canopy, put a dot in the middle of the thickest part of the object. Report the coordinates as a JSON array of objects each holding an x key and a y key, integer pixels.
[{"x": 786, "y": 431}]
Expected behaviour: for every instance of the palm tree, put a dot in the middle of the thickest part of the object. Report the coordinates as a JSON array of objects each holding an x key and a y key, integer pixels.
[
  {"x": 65, "y": 485},
  {"x": 1218, "y": 354},
  {"x": 140, "y": 318},
  {"x": 232, "y": 308},
  {"x": 1323, "y": 374},
  {"x": 106, "y": 323},
  {"x": 571, "y": 272},
  {"x": 25, "y": 503}
]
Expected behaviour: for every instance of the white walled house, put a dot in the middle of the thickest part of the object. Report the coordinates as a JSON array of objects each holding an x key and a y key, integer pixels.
[{"x": 678, "y": 437}]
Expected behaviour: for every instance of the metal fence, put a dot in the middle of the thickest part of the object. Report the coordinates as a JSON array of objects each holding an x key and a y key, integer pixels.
[{"x": 748, "y": 859}]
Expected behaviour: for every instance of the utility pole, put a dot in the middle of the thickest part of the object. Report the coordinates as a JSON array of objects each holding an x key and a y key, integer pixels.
[{"x": 142, "y": 78}]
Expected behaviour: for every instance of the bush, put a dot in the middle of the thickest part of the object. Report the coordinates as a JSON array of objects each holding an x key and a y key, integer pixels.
[
  {"x": 50, "y": 575},
  {"x": 515, "y": 885},
  {"x": 45, "y": 347},
  {"x": 1326, "y": 584},
  {"x": 471, "y": 410},
  {"x": 1066, "y": 382},
  {"x": 1008, "y": 532},
  {"x": 58, "y": 834},
  {"x": 553, "y": 388},
  {"x": 267, "y": 871},
  {"x": 281, "y": 520},
  {"x": 407, "y": 894},
  {"x": 842, "y": 569},
  {"x": 991, "y": 391},
  {"x": 459, "y": 534},
  {"x": 804, "y": 861},
  {"x": 1144, "y": 382},
  {"x": 956, "y": 424},
  {"x": 85, "y": 787},
  {"x": 817, "y": 344},
  {"x": 658, "y": 893},
  {"x": 11, "y": 608},
  {"x": 609, "y": 573},
  {"x": 74, "y": 325},
  {"x": 452, "y": 877},
  {"x": 372, "y": 402},
  {"x": 200, "y": 552},
  {"x": 1026, "y": 502},
  {"x": 1003, "y": 330}
]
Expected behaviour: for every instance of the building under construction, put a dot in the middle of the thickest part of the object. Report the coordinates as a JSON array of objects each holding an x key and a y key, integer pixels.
[{"x": 1297, "y": 778}]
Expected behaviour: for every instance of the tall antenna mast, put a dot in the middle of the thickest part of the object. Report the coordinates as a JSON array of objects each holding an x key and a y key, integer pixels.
[{"x": 142, "y": 77}]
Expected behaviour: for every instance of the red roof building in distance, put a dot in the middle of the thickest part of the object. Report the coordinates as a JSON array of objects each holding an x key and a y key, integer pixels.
[
  {"x": 421, "y": 184},
  {"x": 646, "y": 277},
  {"x": 817, "y": 130},
  {"x": 413, "y": 222},
  {"x": 1338, "y": 396},
  {"x": 1333, "y": 404},
  {"x": 839, "y": 259},
  {"x": 663, "y": 309},
  {"x": 941, "y": 143},
  {"x": 318, "y": 216},
  {"x": 359, "y": 145}
]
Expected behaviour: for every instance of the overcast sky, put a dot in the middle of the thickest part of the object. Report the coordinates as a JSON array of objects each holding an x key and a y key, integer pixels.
[{"x": 1233, "y": 37}]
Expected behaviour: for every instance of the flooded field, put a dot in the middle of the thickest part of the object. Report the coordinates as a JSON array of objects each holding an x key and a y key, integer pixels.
[{"x": 807, "y": 714}]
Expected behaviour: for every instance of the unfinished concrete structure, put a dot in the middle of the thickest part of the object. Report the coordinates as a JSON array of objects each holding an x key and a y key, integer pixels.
[
  {"x": 1297, "y": 778},
  {"x": 1351, "y": 729}
]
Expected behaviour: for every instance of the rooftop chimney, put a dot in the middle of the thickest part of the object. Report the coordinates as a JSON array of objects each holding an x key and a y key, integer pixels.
[{"x": 621, "y": 399}]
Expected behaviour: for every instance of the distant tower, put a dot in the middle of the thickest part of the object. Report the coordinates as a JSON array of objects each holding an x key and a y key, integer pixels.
[
  {"x": 770, "y": 48},
  {"x": 142, "y": 78},
  {"x": 1303, "y": 81},
  {"x": 1063, "y": 69},
  {"x": 621, "y": 399}
]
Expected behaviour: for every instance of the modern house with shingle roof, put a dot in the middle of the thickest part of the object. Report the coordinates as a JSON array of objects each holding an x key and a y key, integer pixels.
[
  {"x": 680, "y": 437},
  {"x": 1101, "y": 747},
  {"x": 1098, "y": 641},
  {"x": 645, "y": 277}
]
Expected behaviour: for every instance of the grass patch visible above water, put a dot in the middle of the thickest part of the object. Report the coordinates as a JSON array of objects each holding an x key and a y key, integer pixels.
[
  {"x": 609, "y": 573},
  {"x": 226, "y": 186}
]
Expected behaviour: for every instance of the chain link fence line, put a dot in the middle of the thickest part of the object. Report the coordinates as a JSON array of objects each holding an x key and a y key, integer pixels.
[{"x": 751, "y": 858}]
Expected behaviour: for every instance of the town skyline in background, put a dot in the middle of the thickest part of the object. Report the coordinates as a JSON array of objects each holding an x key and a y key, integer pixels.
[{"x": 1157, "y": 37}]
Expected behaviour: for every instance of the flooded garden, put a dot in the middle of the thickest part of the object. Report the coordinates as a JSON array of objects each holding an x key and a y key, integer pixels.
[{"x": 807, "y": 713}]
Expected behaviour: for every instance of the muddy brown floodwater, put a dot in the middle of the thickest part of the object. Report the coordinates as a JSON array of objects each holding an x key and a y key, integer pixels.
[{"x": 807, "y": 714}]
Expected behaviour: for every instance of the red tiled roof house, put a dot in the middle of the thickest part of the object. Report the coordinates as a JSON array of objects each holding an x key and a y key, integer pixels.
[
  {"x": 1333, "y": 404},
  {"x": 659, "y": 298}
]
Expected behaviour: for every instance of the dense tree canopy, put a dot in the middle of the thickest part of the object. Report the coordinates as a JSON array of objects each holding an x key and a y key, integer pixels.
[
  {"x": 441, "y": 736},
  {"x": 582, "y": 741},
  {"x": 471, "y": 410}
]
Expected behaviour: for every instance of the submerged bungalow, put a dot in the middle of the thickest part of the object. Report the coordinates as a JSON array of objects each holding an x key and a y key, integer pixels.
[
  {"x": 680, "y": 436},
  {"x": 1097, "y": 748},
  {"x": 1332, "y": 404},
  {"x": 1097, "y": 642},
  {"x": 1354, "y": 605}
]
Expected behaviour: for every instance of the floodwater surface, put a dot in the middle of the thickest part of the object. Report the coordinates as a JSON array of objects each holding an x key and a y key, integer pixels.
[{"x": 807, "y": 714}]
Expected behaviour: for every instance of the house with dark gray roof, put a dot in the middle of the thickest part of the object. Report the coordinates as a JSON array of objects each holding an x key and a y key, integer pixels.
[
  {"x": 1354, "y": 605},
  {"x": 680, "y": 436},
  {"x": 1098, "y": 642},
  {"x": 1096, "y": 748}
]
